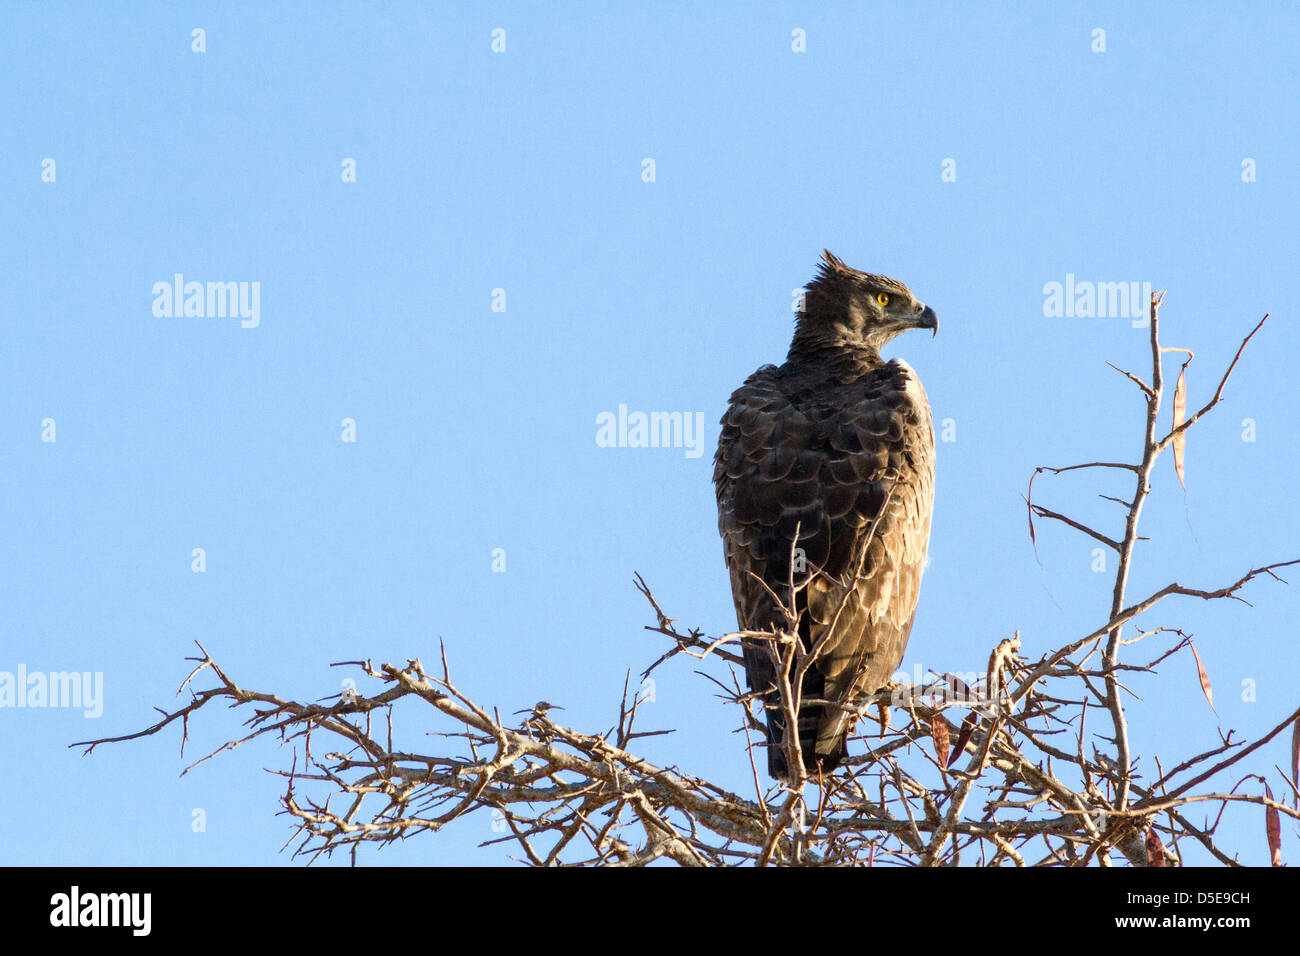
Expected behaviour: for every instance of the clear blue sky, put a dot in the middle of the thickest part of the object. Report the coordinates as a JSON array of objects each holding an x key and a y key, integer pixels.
[{"x": 476, "y": 429}]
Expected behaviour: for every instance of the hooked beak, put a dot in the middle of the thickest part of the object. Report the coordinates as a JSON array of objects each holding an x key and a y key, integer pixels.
[{"x": 926, "y": 319}]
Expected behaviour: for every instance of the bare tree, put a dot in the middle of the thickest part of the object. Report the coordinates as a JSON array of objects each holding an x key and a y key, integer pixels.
[{"x": 1009, "y": 769}]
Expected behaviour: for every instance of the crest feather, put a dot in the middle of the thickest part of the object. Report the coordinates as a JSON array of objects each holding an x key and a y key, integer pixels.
[{"x": 830, "y": 259}]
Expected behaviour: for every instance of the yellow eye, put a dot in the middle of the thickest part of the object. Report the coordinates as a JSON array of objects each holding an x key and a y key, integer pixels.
[{"x": 882, "y": 298}]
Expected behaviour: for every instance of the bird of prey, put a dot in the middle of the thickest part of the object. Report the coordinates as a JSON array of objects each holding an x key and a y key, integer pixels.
[{"x": 828, "y": 444}]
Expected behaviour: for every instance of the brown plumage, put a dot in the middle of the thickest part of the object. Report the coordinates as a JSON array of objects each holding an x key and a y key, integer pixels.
[{"x": 821, "y": 444}]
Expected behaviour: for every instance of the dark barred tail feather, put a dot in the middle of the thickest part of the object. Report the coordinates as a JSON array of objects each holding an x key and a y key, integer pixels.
[{"x": 809, "y": 719}]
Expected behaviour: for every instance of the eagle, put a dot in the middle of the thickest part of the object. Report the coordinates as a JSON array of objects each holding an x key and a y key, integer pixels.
[{"x": 825, "y": 479}]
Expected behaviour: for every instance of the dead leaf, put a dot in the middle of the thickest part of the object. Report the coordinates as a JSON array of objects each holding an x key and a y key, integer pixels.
[
  {"x": 939, "y": 731},
  {"x": 1180, "y": 413},
  {"x": 1205, "y": 678},
  {"x": 967, "y": 728},
  {"x": 1029, "y": 503},
  {"x": 1273, "y": 824},
  {"x": 1155, "y": 849},
  {"x": 1295, "y": 761}
]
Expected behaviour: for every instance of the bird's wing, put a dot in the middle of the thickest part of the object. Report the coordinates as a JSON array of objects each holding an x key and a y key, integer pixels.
[
  {"x": 826, "y": 468},
  {"x": 861, "y": 619},
  {"x": 753, "y": 457}
]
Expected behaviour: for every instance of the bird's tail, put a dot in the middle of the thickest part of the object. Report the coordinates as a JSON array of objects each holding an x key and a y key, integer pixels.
[{"x": 819, "y": 749}]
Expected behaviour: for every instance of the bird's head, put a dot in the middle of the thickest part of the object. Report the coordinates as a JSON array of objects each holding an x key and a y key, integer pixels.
[{"x": 845, "y": 307}]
